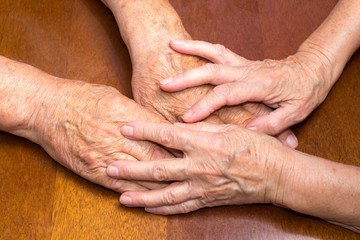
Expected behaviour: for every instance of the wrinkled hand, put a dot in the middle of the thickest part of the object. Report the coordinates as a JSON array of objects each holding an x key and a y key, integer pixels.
[
  {"x": 165, "y": 63},
  {"x": 221, "y": 165},
  {"x": 78, "y": 124},
  {"x": 162, "y": 64},
  {"x": 294, "y": 86},
  {"x": 147, "y": 27}
]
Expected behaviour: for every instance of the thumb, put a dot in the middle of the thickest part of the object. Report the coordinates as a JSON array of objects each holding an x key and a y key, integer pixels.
[{"x": 275, "y": 122}]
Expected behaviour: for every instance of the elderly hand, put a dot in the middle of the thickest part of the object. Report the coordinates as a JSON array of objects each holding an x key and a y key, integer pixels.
[
  {"x": 147, "y": 37},
  {"x": 157, "y": 62},
  {"x": 172, "y": 106},
  {"x": 294, "y": 86},
  {"x": 238, "y": 168},
  {"x": 230, "y": 165},
  {"x": 77, "y": 123}
]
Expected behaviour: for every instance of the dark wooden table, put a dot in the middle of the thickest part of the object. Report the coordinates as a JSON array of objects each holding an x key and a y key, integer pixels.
[{"x": 79, "y": 39}]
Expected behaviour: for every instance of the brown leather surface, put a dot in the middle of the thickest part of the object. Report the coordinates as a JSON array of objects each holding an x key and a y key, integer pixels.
[{"x": 79, "y": 39}]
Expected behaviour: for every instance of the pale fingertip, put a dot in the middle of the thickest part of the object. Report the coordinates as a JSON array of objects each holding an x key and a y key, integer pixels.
[
  {"x": 252, "y": 125},
  {"x": 292, "y": 141},
  {"x": 252, "y": 128},
  {"x": 112, "y": 171},
  {"x": 127, "y": 131},
  {"x": 166, "y": 81},
  {"x": 188, "y": 115},
  {"x": 125, "y": 200},
  {"x": 178, "y": 42}
]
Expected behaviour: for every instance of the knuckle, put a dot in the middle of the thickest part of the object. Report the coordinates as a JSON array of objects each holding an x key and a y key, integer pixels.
[
  {"x": 181, "y": 76},
  {"x": 268, "y": 63},
  {"x": 89, "y": 157},
  {"x": 166, "y": 136},
  {"x": 221, "y": 50},
  {"x": 220, "y": 143},
  {"x": 159, "y": 172},
  {"x": 208, "y": 105},
  {"x": 268, "y": 81},
  {"x": 184, "y": 208},
  {"x": 169, "y": 197},
  {"x": 273, "y": 125},
  {"x": 125, "y": 171},
  {"x": 187, "y": 169},
  {"x": 222, "y": 90},
  {"x": 213, "y": 68}
]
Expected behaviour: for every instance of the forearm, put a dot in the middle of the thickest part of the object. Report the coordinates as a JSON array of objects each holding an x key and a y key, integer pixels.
[
  {"x": 321, "y": 188},
  {"x": 147, "y": 26},
  {"x": 21, "y": 86},
  {"x": 338, "y": 37}
]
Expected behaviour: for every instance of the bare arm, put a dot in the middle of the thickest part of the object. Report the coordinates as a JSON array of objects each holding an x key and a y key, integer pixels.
[
  {"x": 294, "y": 86},
  {"x": 21, "y": 87},
  {"x": 335, "y": 41},
  {"x": 229, "y": 165},
  {"x": 75, "y": 122},
  {"x": 147, "y": 27},
  {"x": 320, "y": 187}
]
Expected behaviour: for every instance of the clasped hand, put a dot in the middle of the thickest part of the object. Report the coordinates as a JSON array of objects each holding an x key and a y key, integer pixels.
[
  {"x": 294, "y": 86},
  {"x": 234, "y": 170}
]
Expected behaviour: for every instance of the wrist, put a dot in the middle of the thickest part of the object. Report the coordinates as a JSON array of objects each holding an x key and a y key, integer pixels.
[
  {"x": 321, "y": 63},
  {"x": 280, "y": 167},
  {"x": 147, "y": 26},
  {"x": 24, "y": 90},
  {"x": 337, "y": 38},
  {"x": 18, "y": 93},
  {"x": 319, "y": 187}
]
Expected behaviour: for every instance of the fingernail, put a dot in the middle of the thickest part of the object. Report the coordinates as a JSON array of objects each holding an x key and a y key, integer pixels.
[
  {"x": 127, "y": 131},
  {"x": 252, "y": 128},
  {"x": 292, "y": 141},
  {"x": 166, "y": 81},
  {"x": 112, "y": 171},
  {"x": 178, "y": 42},
  {"x": 182, "y": 125},
  {"x": 187, "y": 114},
  {"x": 125, "y": 200}
]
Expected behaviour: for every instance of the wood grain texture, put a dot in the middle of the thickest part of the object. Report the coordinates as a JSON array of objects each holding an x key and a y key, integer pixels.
[
  {"x": 79, "y": 39},
  {"x": 39, "y": 198}
]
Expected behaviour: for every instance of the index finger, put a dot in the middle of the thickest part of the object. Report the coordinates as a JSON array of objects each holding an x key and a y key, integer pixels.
[
  {"x": 216, "y": 53},
  {"x": 164, "y": 134},
  {"x": 160, "y": 171},
  {"x": 214, "y": 74}
]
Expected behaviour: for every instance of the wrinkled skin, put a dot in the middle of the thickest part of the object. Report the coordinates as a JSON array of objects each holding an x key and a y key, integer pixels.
[
  {"x": 237, "y": 170},
  {"x": 163, "y": 64},
  {"x": 78, "y": 124},
  {"x": 294, "y": 86},
  {"x": 231, "y": 165},
  {"x": 172, "y": 106},
  {"x": 147, "y": 27},
  {"x": 145, "y": 84},
  {"x": 147, "y": 37}
]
